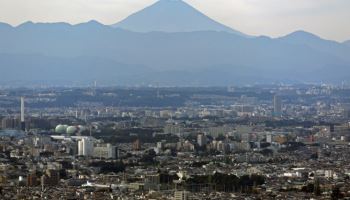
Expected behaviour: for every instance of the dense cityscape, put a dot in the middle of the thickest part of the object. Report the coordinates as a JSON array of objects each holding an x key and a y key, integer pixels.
[{"x": 248, "y": 142}]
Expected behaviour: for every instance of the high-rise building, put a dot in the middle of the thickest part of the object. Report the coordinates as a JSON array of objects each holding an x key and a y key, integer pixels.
[
  {"x": 277, "y": 106},
  {"x": 201, "y": 140},
  {"x": 85, "y": 147}
]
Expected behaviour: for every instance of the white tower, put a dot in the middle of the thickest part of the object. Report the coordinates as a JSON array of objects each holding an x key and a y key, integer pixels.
[{"x": 23, "y": 124}]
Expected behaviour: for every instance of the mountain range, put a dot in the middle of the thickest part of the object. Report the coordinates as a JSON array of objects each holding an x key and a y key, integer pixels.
[{"x": 132, "y": 52}]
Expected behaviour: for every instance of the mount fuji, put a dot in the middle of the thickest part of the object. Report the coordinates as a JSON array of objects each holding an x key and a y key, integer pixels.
[{"x": 171, "y": 16}]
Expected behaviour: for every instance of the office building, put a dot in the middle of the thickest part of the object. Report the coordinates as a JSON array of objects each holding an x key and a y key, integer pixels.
[{"x": 104, "y": 151}]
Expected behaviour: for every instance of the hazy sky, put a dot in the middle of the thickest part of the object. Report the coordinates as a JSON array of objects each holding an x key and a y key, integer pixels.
[{"x": 328, "y": 18}]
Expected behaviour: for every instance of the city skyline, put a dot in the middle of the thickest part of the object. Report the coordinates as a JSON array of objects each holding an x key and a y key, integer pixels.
[{"x": 272, "y": 18}]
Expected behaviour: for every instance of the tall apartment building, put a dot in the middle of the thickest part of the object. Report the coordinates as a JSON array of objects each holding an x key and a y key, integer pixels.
[{"x": 85, "y": 147}]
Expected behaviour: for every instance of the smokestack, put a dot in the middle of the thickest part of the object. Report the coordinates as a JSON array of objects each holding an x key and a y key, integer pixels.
[{"x": 23, "y": 124}]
